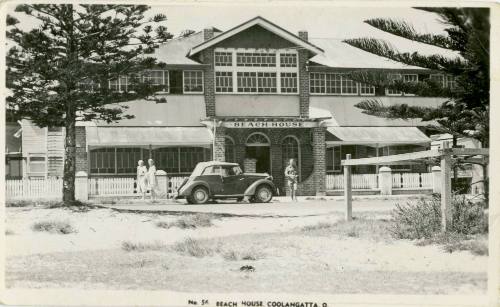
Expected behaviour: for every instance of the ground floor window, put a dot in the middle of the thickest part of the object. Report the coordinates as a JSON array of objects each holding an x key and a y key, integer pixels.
[
  {"x": 229, "y": 150},
  {"x": 37, "y": 165},
  {"x": 123, "y": 161}
]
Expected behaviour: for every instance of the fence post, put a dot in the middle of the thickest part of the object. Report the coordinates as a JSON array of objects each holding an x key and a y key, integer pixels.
[
  {"x": 436, "y": 179},
  {"x": 348, "y": 190},
  {"x": 81, "y": 186},
  {"x": 445, "y": 186},
  {"x": 161, "y": 176},
  {"x": 385, "y": 180}
]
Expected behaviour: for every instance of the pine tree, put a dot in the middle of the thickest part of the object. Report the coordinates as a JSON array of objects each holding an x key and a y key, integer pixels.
[
  {"x": 59, "y": 71},
  {"x": 466, "y": 111}
]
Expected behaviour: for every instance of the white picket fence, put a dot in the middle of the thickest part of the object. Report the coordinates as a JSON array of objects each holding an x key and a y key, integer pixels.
[
  {"x": 52, "y": 188},
  {"x": 359, "y": 181},
  {"x": 411, "y": 180},
  {"x": 370, "y": 181},
  {"x": 33, "y": 189}
]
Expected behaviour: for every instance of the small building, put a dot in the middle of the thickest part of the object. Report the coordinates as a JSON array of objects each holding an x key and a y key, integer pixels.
[{"x": 255, "y": 94}]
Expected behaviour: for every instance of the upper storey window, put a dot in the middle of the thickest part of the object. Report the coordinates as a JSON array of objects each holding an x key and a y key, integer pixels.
[
  {"x": 223, "y": 58},
  {"x": 260, "y": 71},
  {"x": 256, "y": 59},
  {"x": 288, "y": 60},
  {"x": 332, "y": 83}
]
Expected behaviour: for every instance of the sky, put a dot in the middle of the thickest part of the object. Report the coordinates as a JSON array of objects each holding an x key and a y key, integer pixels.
[{"x": 321, "y": 20}]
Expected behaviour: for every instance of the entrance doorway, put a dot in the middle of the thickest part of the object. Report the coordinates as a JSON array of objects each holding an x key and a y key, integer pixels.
[{"x": 258, "y": 148}]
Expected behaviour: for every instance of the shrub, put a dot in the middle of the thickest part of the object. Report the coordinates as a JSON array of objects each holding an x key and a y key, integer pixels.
[
  {"x": 452, "y": 242},
  {"x": 422, "y": 219},
  {"x": 249, "y": 254},
  {"x": 192, "y": 247},
  {"x": 141, "y": 247},
  {"x": 189, "y": 222},
  {"x": 54, "y": 227},
  {"x": 9, "y": 232},
  {"x": 372, "y": 229}
]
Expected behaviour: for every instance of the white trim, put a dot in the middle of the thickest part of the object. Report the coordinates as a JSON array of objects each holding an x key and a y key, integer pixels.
[
  {"x": 30, "y": 173},
  {"x": 263, "y": 23},
  {"x": 258, "y": 144}
]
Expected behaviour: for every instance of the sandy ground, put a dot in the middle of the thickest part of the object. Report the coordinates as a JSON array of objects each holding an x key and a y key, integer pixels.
[{"x": 293, "y": 260}]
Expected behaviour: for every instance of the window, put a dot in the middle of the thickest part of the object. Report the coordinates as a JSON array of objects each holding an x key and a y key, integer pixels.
[
  {"x": 366, "y": 89},
  {"x": 256, "y": 59},
  {"x": 393, "y": 92},
  {"x": 257, "y": 139},
  {"x": 193, "y": 81},
  {"x": 445, "y": 81},
  {"x": 288, "y": 82},
  {"x": 166, "y": 159},
  {"x": 317, "y": 83},
  {"x": 333, "y": 159},
  {"x": 223, "y": 58},
  {"x": 247, "y": 82},
  {"x": 102, "y": 161},
  {"x": 126, "y": 160},
  {"x": 37, "y": 165},
  {"x": 333, "y": 83},
  {"x": 290, "y": 150},
  {"x": 157, "y": 77},
  {"x": 122, "y": 84},
  {"x": 189, "y": 157},
  {"x": 229, "y": 150},
  {"x": 88, "y": 85},
  {"x": 223, "y": 81},
  {"x": 266, "y": 82},
  {"x": 349, "y": 87},
  {"x": 288, "y": 60}
]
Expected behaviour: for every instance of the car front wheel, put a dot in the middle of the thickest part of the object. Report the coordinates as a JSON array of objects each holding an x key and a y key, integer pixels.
[
  {"x": 199, "y": 195},
  {"x": 263, "y": 194}
]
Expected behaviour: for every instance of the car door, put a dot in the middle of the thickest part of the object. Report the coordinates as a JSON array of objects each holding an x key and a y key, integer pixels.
[
  {"x": 212, "y": 176},
  {"x": 233, "y": 183}
]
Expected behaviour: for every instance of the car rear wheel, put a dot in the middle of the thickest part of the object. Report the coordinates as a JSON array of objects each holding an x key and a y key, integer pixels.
[
  {"x": 199, "y": 195},
  {"x": 263, "y": 194}
]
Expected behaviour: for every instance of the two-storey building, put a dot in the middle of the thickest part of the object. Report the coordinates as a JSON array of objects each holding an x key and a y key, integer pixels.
[{"x": 255, "y": 94}]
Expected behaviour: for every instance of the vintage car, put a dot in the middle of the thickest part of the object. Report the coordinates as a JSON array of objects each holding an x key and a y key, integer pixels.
[{"x": 221, "y": 180}]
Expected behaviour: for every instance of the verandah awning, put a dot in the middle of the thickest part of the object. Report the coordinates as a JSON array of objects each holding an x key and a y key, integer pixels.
[
  {"x": 145, "y": 136},
  {"x": 376, "y": 135}
]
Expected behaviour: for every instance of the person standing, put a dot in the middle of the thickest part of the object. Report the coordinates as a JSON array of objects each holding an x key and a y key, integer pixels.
[
  {"x": 291, "y": 177},
  {"x": 151, "y": 179},
  {"x": 142, "y": 171}
]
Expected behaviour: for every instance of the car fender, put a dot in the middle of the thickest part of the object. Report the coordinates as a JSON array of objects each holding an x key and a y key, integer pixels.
[
  {"x": 188, "y": 188},
  {"x": 250, "y": 191}
]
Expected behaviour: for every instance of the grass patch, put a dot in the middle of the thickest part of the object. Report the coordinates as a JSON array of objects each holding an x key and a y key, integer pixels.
[
  {"x": 54, "y": 227},
  {"x": 194, "y": 221},
  {"x": 452, "y": 242},
  {"x": 9, "y": 232},
  {"x": 373, "y": 229},
  {"x": 50, "y": 204},
  {"x": 141, "y": 247},
  {"x": 247, "y": 254},
  {"x": 194, "y": 248}
]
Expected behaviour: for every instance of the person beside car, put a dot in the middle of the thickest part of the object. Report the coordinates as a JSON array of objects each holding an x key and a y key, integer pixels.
[{"x": 291, "y": 176}]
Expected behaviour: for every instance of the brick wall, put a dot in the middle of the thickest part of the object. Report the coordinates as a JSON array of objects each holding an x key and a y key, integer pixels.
[
  {"x": 81, "y": 150},
  {"x": 319, "y": 150},
  {"x": 207, "y": 57},
  {"x": 303, "y": 84},
  {"x": 220, "y": 152}
]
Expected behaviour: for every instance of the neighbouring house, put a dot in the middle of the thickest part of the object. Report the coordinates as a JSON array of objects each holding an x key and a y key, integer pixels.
[
  {"x": 13, "y": 156},
  {"x": 256, "y": 94}
]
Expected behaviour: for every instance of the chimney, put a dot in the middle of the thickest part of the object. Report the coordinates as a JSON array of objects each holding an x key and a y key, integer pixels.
[
  {"x": 303, "y": 35},
  {"x": 208, "y": 33}
]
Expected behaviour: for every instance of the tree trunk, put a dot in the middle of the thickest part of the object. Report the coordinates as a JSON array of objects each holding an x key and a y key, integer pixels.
[{"x": 69, "y": 159}]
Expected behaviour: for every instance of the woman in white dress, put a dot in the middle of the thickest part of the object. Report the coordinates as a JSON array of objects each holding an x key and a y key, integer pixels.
[
  {"x": 151, "y": 179},
  {"x": 142, "y": 171}
]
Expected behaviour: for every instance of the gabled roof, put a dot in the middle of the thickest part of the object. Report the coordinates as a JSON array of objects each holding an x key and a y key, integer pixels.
[{"x": 266, "y": 24}]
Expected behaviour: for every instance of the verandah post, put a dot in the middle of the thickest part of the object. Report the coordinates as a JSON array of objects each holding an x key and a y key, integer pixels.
[
  {"x": 348, "y": 190},
  {"x": 445, "y": 187}
]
